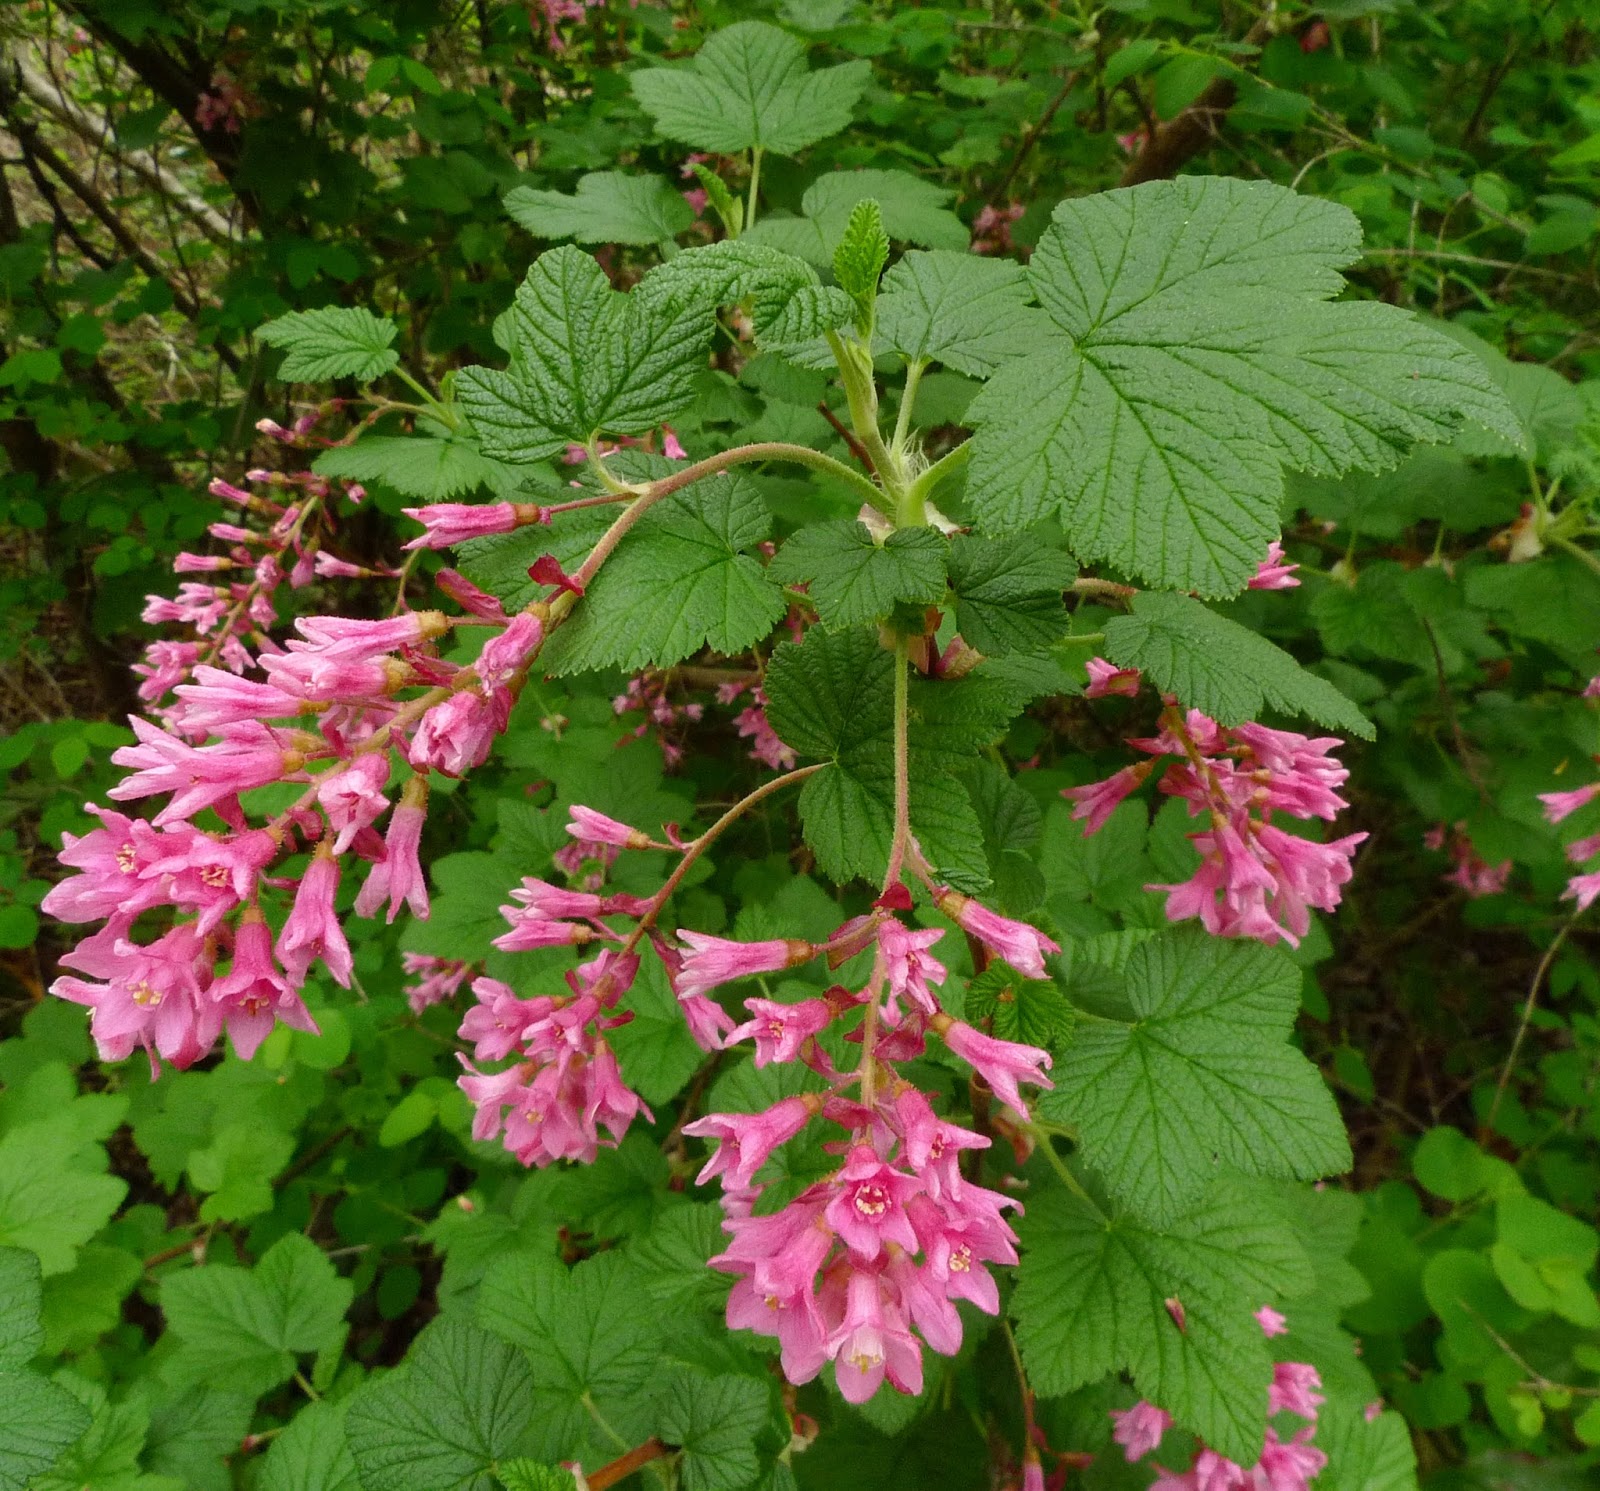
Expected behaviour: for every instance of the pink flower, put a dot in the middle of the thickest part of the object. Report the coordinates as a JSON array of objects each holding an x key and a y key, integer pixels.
[
  {"x": 595, "y": 828},
  {"x": 397, "y": 878},
  {"x": 254, "y": 995},
  {"x": 1583, "y": 889},
  {"x": 1107, "y": 678},
  {"x": 1272, "y": 573},
  {"x": 1561, "y": 805},
  {"x": 711, "y": 961},
  {"x": 708, "y": 1022},
  {"x": 313, "y": 930},
  {"x": 1139, "y": 1429},
  {"x": 909, "y": 967},
  {"x": 353, "y": 798},
  {"x": 451, "y": 523},
  {"x": 110, "y": 860},
  {"x": 781, "y": 1030},
  {"x": 1002, "y": 1064},
  {"x": 868, "y": 1207},
  {"x": 872, "y": 1341},
  {"x": 766, "y": 747},
  {"x": 1095, "y": 802},
  {"x": 1294, "y": 1390},
  {"x": 745, "y": 1140},
  {"x": 1271, "y": 1322},
  {"x": 216, "y": 698},
  {"x": 1022, "y": 946},
  {"x": 506, "y": 655},
  {"x": 360, "y": 641},
  {"x": 198, "y": 776},
  {"x": 438, "y": 979},
  {"x": 932, "y": 1145},
  {"x": 454, "y": 736},
  {"x": 671, "y": 446}
]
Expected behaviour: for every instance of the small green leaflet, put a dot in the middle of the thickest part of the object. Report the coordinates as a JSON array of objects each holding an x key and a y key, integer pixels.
[
  {"x": 584, "y": 1335},
  {"x": 853, "y": 579},
  {"x": 434, "y": 470},
  {"x": 311, "y": 1454},
  {"x": 679, "y": 581},
  {"x": 1011, "y": 822},
  {"x": 240, "y": 1330},
  {"x": 1008, "y": 592},
  {"x": 968, "y": 313},
  {"x": 1198, "y": 354},
  {"x": 532, "y": 1475},
  {"x": 1221, "y": 668},
  {"x": 607, "y": 207},
  {"x": 914, "y": 211},
  {"x": 584, "y": 359},
  {"x": 788, "y": 303},
  {"x": 719, "y": 1422},
  {"x": 1203, "y": 1076},
  {"x": 1015, "y": 1008},
  {"x": 440, "y": 1422},
  {"x": 832, "y": 698},
  {"x": 1091, "y": 1299},
  {"x": 748, "y": 87},
  {"x": 333, "y": 342},
  {"x": 859, "y": 260}
]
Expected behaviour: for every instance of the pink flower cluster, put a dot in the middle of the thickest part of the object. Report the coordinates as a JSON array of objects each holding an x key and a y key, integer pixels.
[
  {"x": 862, "y": 1269},
  {"x": 1285, "y": 1464},
  {"x": 1254, "y": 879},
  {"x": 1584, "y": 887},
  {"x": 646, "y": 694},
  {"x": 335, "y": 711},
  {"x": 1469, "y": 870}
]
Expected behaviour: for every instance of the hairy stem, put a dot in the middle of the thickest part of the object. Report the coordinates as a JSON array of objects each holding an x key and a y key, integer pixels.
[
  {"x": 902, "y": 764},
  {"x": 924, "y": 486}
]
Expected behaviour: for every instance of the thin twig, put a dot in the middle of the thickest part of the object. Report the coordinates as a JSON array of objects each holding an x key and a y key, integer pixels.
[{"x": 1527, "y": 1018}]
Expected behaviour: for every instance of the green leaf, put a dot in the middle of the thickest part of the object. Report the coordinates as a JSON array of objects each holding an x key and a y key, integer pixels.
[
  {"x": 461, "y": 1401},
  {"x": 858, "y": 261},
  {"x": 717, "y": 1421},
  {"x": 1221, "y": 668},
  {"x": 1198, "y": 356},
  {"x": 333, "y": 342},
  {"x": 655, "y": 1050},
  {"x": 1008, "y": 592},
  {"x": 311, "y": 1454},
  {"x": 532, "y": 1475},
  {"x": 584, "y": 359},
  {"x": 788, "y": 304},
  {"x": 832, "y": 698},
  {"x": 855, "y": 579},
  {"x": 238, "y": 1166},
  {"x": 434, "y": 470},
  {"x": 1091, "y": 1299},
  {"x": 1203, "y": 1076},
  {"x": 1032, "y": 1011},
  {"x": 21, "y": 1298},
  {"x": 39, "y": 1421},
  {"x": 748, "y": 86},
  {"x": 586, "y": 1338},
  {"x": 968, "y": 313},
  {"x": 913, "y": 210},
  {"x": 607, "y": 207},
  {"x": 240, "y": 1330},
  {"x": 52, "y": 1200},
  {"x": 679, "y": 581}
]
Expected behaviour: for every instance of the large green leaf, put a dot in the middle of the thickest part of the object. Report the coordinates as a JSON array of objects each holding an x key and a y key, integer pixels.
[
  {"x": 333, "y": 342},
  {"x": 679, "y": 581},
  {"x": 1222, "y": 668},
  {"x": 1092, "y": 1298},
  {"x": 749, "y": 86},
  {"x": 461, "y": 1401},
  {"x": 607, "y": 207},
  {"x": 1202, "y": 1076},
  {"x": 241, "y": 1330},
  {"x": 1198, "y": 355},
  {"x": 311, "y": 1454},
  {"x": 52, "y": 1197},
  {"x": 719, "y": 1423},
  {"x": 39, "y": 1420},
  {"x": 1008, "y": 592},
  {"x": 787, "y": 302},
  {"x": 853, "y": 578},
  {"x": 585, "y": 359},
  {"x": 433, "y": 469},
  {"x": 968, "y": 313}
]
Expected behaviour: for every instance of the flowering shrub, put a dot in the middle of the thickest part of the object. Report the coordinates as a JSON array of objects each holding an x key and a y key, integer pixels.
[{"x": 779, "y": 899}]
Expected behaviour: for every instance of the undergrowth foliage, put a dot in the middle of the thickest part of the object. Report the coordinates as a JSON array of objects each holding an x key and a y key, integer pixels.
[{"x": 962, "y": 1135}]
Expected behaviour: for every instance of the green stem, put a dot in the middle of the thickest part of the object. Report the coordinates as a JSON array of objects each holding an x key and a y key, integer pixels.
[
  {"x": 908, "y": 402},
  {"x": 923, "y": 487},
  {"x": 442, "y": 412},
  {"x": 861, "y": 393},
  {"x": 1067, "y": 1178},
  {"x": 755, "y": 188},
  {"x": 1578, "y": 553}
]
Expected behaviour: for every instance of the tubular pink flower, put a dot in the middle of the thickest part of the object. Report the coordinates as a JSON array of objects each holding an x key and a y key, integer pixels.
[
  {"x": 110, "y": 860},
  {"x": 353, "y": 798},
  {"x": 708, "y": 1022},
  {"x": 198, "y": 776},
  {"x": 1583, "y": 889},
  {"x": 711, "y": 961},
  {"x": 451, "y": 523},
  {"x": 1002, "y": 1064},
  {"x": 745, "y": 1140},
  {"x": 529, "y": 933},
  {"x": 1561, "y": 805},
  {"x": 1294, "y": 1390},
  {"x": 360, "y": 641},
  {"x": 595, "y": 828},
  {"x": 312, "y": 930},
  {"x": 909, "y": 967},
  {"x": 1139, "y": 1429},
  {"x": 506, "y": 654},
  {"x": 1094, "y": 802},
  {"x": 437, "y": 979},
  {"x": 872, "y": 1341},
  {"x": 868, "y": 1208},
  {"x": 454, "y": 736},
  {"x": 780, "y": 1030},
  {"x": 1272, "y": 573},
  {"x": 1271, "y": 1322},
  {"x": 932, "y": 1145},
  {"x": 254, "y": 996},
  {"x": 1022, "y": 946},
  {"x": 397, "y": 878},
  {"x": 1107, "y": 678},
  {"x": 539, "y": 900},
  {"x": 216, "y": 698}
]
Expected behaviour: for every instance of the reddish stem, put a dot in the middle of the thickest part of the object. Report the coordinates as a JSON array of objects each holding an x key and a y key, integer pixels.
[{"x": 625, "y": 1465}]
